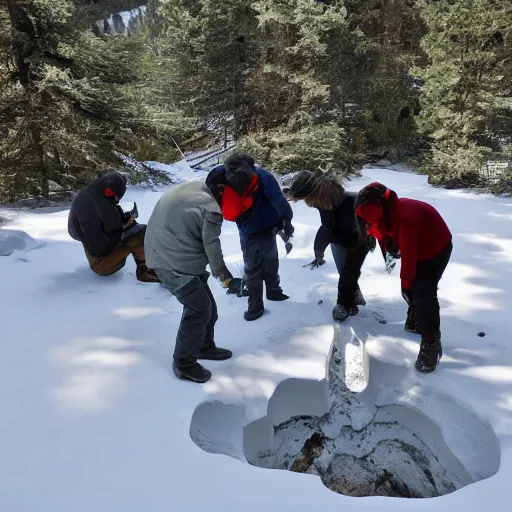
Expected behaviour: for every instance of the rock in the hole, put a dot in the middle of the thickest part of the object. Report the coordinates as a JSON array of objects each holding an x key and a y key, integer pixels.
[{"x": 394, "y": 469}]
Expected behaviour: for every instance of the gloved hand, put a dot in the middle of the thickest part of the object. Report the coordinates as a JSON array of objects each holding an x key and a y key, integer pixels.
[
  {"x": 407, "y": 295},
  {"x": 288, "y": 230},
  {"x": 128, "y": 222},
  {"x": 225, "y": 278},
  {"x": 390, "y": 262},
  {"x": 317, "y": 262},
  {"x": 237, "y": 287},
  {"x": 285, "y": 230},
  {"x": 287, "y": 244}
]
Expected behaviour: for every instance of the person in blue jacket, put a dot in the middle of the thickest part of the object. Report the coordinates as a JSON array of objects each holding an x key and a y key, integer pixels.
[{"x": 252, "y": 198}]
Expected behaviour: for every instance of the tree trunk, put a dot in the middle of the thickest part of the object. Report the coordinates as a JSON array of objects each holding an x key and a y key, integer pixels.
[
  {"x": 22, "y": 49},
  {"x": 42, "y": 166}
]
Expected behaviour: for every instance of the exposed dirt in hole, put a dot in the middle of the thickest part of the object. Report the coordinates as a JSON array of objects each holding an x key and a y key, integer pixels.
[{"x": 383, "y": 459}]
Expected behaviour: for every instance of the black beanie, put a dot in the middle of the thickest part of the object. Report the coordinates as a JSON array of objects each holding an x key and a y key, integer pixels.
[
  {"x": 372, "y": 193},
  {"x": 240, "y": 170},
  {"x": 302, "y": 185}
]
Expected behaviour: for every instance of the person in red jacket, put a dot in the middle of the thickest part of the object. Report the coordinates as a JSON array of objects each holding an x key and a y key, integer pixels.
[{"x": 415, "y": 232}]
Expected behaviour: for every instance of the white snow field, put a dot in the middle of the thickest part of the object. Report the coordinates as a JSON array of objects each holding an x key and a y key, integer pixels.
[{"x": 92, "y": 418}]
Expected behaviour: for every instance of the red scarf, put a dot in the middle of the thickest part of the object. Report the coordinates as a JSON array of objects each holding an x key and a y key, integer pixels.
[
  {"x": 373, "y": 217},
  {"x": 234, "y": 205}
]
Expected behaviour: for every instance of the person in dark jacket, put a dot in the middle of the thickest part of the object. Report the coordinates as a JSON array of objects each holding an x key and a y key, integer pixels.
[
  {"x": 252, "y": 198},
  {"x": 415, "y": 232},
  {"x": 107, "y": 235},
  {"x": 339, "y": 230}
]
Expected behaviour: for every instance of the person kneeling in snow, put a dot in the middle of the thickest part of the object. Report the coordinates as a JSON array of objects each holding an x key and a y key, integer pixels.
[
  {"x": 416, "y": 232},
  {"x": 108, "y": 234},
  {"x": 339, "y": 229},
  {"x": 182, "y": 238},
  {"x": 253, "y": 199}
]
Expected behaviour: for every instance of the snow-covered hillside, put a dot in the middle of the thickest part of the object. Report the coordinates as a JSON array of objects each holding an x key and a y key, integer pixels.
[{"x": 92, "y": 418}]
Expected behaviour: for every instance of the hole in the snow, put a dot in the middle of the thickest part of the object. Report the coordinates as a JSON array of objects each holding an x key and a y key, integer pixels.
[{"x": 391, "y": 438}]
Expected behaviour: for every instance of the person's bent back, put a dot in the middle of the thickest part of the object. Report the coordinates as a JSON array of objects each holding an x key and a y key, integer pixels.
[
  {"x": 107, "y": 234},
  {"x": 183, "y": 232}
]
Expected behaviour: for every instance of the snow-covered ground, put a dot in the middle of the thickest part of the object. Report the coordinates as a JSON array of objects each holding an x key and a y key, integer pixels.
[{"x": 92, "y": 418}]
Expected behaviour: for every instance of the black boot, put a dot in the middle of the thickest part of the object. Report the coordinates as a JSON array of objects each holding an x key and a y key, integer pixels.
[
  {"x": 277, "y": 296},
  {"x": 359, "y": 299},
  {"x": 256, "y": 307},
  {"x": 430, "y": 353},
  {"x": 411, "y": 324},
  {"x": 215, "y": 354},
  {"x": 341, "y": 313},
  {"x": 195, "y": 373}
]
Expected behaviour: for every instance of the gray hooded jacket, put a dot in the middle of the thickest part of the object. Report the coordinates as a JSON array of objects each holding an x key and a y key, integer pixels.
[{"x": 183, "y": 232}]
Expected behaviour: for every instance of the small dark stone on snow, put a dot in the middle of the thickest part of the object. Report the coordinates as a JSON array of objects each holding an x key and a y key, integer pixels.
[
  {"x": 481, "y": 334},
  {"x": 320, "y": 302}
]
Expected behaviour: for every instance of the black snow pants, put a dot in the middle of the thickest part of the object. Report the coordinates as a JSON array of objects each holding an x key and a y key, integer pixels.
[{"x": 424, "y": 291}]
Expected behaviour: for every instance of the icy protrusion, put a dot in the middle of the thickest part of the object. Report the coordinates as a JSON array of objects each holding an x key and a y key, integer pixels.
[{"x": 342, "y": 374}]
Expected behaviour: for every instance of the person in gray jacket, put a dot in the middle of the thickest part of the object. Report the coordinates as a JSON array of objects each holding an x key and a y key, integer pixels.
[{"x": 182, "y": 238}]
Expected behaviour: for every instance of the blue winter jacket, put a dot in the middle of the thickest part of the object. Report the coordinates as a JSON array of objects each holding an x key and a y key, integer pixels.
[{"x": 271, "y": 207}]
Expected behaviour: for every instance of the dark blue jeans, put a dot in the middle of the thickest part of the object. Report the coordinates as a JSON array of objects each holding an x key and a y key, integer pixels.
[
  {"x": 196, "y": 331},
  {"x": 261, "y": 261},
  {"x": 340, "y": 255}
]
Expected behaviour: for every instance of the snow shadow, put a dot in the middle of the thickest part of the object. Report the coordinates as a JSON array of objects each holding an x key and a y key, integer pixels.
[
  {"x": 16, "y": 240},
  {"x": 368, "y": 429}
]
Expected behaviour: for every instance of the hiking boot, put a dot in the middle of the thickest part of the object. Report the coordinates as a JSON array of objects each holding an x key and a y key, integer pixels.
[
  {"x": 215, "y": 354},
  {"x": 341, "y": 313},
  {"x": 254, "y": 313},
  {"x": 411, "y": 324},
  {"x": 359, "y": 299},
  {"x": 430, "y": 354},
  {"x": 277, "y": 296},
  {"x": 195, "y": 373},
  {"x": 255, "y": 303},
  {"x": 145, "y": 275}
]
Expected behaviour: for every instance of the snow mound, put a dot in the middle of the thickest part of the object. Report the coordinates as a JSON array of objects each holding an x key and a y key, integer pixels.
[
  {"x": 16, "y": 240},
  {"x": 378, "y": 441}
]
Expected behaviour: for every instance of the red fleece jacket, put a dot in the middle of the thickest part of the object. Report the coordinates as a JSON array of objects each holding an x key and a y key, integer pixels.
[{"x": 419, "y": 232}]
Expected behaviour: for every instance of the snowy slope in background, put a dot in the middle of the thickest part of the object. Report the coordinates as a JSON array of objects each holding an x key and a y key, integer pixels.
[
  {"x": 92, "y": 418},
  {"x": 179, "y": 171}
]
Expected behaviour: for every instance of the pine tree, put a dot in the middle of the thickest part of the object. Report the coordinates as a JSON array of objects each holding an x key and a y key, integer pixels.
[
  {"x": 369, "y": 76},
  {"x": 255, "y": 67},
  {"x": 208, "y": 50},
  {"x": 67, "y": 99},
  {"x": 466, "y": 97},
  {"x": 295, "y": 34},
  {"x": 298, "y": 127}
]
